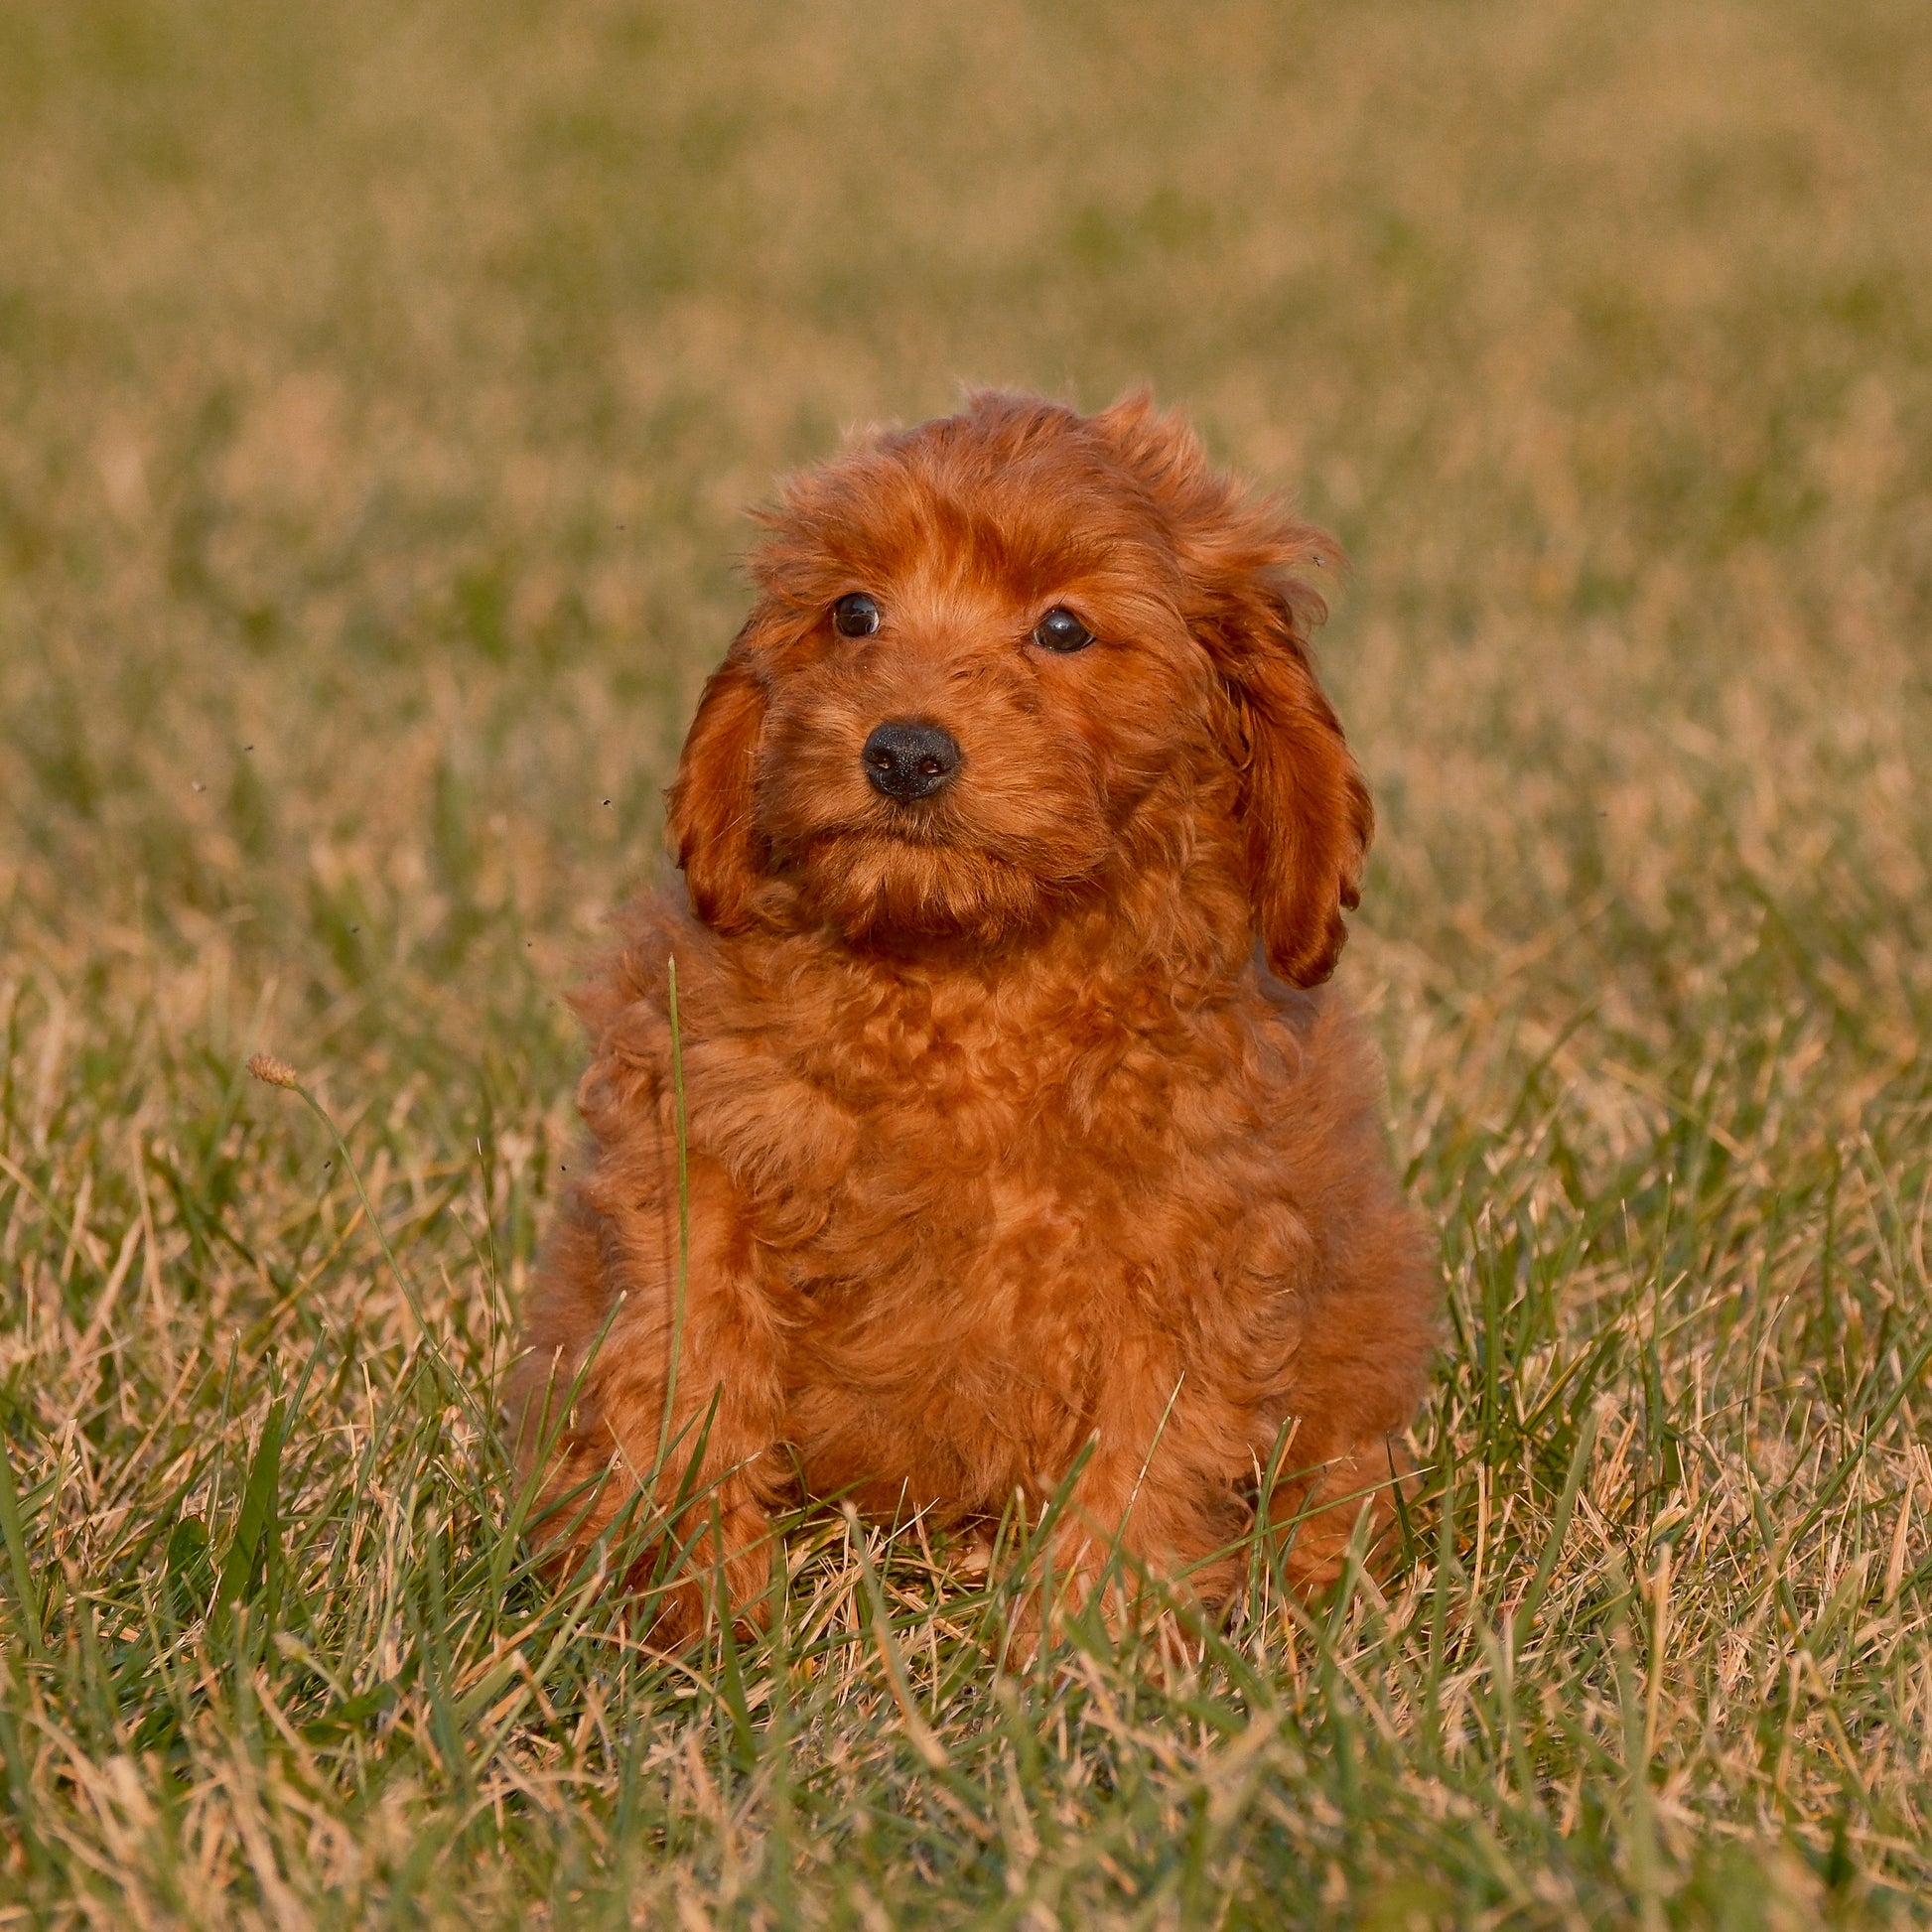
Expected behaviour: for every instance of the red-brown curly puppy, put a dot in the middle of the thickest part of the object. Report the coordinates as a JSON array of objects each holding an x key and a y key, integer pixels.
[{"x": 1005, "y": 1145}]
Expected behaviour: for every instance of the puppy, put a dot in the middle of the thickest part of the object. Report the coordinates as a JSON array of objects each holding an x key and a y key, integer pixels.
[{"x": 1022, "y": 1142}]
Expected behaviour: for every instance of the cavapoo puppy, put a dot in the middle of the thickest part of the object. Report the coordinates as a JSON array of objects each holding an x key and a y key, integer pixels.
[{"x": 1023, "y": 1139}]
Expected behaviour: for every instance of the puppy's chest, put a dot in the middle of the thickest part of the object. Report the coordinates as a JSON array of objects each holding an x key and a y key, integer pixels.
[{"x": 1025, "y": 1174}]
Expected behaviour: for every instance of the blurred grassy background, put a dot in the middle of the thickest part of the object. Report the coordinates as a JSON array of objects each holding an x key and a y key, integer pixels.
[{"x": 381, "y": 388}]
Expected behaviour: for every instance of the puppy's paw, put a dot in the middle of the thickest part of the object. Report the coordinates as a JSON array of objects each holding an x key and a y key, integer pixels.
[
  {"x": 1319, "y": 1519},
  {"x": 726, "y": 1573}
]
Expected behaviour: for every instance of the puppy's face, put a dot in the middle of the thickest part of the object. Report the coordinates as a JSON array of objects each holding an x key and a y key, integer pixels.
[
  {"x": 995, "y": 659},
  {"x": 973, "y": 679}
]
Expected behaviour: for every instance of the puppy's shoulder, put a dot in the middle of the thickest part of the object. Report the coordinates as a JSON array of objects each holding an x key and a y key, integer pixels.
[
  {"x": 1329, "y": 1054},
  {"x": 632, "y": 970},
  {"x": 625, "y": 999},
  {"x": 750, "y": 1011}
]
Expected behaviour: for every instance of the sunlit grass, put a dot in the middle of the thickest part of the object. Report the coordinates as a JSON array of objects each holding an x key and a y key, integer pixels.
[{"x": 381, "y": 387}]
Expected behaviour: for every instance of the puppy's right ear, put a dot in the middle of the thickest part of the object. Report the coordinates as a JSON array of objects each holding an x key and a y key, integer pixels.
[{"x": 711, "y": 820}]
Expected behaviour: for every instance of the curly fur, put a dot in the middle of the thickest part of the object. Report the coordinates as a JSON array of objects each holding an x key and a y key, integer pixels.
[{"x": 1020, "y": 1126}]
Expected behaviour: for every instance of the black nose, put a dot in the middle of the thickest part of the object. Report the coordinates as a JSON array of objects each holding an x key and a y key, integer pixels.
[{"x": 908, "y": 762}]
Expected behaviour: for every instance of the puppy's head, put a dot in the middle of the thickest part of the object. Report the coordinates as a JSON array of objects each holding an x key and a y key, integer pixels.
[{"x": 1002, "y": 662}]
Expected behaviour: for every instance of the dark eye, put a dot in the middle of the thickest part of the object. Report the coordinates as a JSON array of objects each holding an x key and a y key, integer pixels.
[
  {"x": 1061, "y": 630},
  {"x": 856, "y": 615}
]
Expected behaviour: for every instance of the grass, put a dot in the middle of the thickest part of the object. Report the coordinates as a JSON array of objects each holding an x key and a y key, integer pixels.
[{"x": 381, "y": 385}]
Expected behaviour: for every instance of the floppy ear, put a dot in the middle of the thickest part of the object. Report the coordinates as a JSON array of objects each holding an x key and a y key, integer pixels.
[
  {"x": 710, "y": 800},
  {"x": 1304, "y": 809}
]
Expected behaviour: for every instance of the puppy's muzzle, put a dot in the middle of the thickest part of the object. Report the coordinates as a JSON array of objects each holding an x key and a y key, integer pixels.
[{"x": 906, "y": 760}]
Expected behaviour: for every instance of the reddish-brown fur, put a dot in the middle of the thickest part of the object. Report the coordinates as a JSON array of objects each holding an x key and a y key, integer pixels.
[{"x": 1005, "y": 1139}]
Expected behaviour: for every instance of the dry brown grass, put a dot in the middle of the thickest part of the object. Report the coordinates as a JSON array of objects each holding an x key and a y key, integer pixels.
[{"x": 381, "y": 388}]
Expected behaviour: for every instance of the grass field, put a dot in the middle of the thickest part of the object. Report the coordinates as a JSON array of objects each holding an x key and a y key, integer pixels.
[{"x": 381, "y": 386}]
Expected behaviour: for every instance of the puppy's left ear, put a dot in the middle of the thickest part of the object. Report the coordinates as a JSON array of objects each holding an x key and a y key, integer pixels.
[
  {"x": 710, "y": 815},
  {"x": 1253, "y": 607},
  {"x": 1308, "y": 814}
]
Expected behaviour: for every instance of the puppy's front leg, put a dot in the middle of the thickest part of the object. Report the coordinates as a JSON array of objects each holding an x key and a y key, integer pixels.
[
  {"x": 1316, "y": 1508},
  {"x": 654, "y": 1388},
  {"x": 1152, "y": 1496}
]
